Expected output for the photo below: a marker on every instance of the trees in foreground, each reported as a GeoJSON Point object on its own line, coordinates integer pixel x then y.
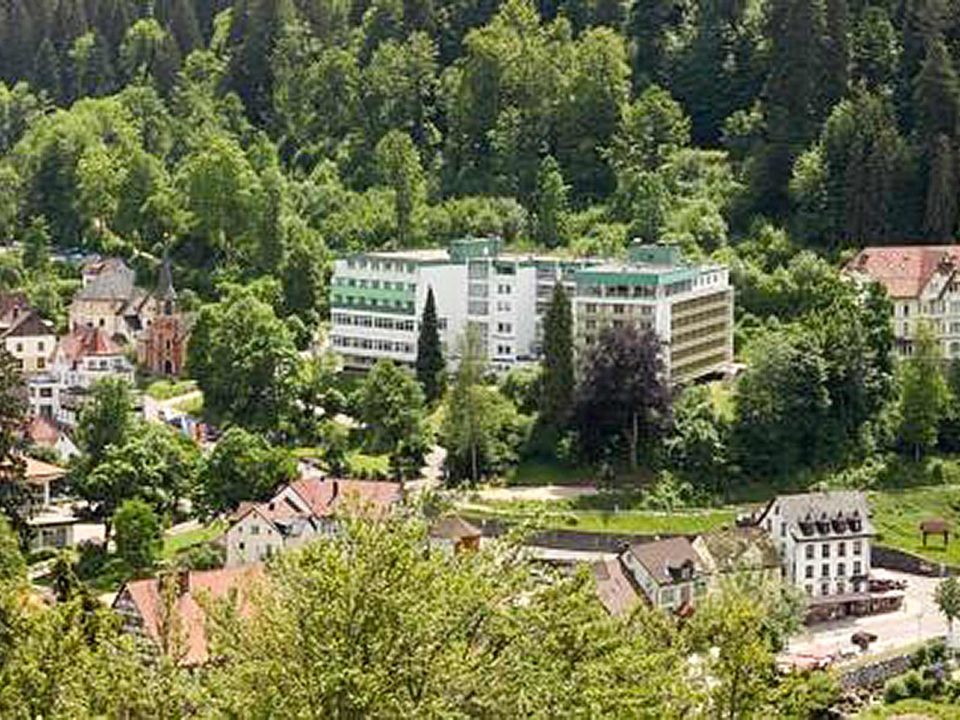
{"type": "Point", "coordinates": [373, 623]}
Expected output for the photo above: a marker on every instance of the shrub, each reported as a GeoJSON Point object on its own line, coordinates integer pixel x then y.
{"type": "Point", "coordinates": [894, 691]}
{"type": "Point", "coordinates": [913, 683]}
{"type": "Point", "coordinates": [206, 556]}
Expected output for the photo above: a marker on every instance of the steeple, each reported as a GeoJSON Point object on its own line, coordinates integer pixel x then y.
{"type": "Point", "coordinates": [165, 289]}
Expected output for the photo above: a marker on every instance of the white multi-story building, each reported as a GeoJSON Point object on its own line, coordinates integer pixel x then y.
{"type": "Point", "coordinates": [923, 284]}
{"type": "Point", "coordinates": [377, 301]}
{"type": "Point", "coordinates": [80, 359]}
{"type": "Point", "coordinates": [824, 541]}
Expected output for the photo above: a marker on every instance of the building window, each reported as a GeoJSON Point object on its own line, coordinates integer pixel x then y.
{"type": "Point", "coordinates": [41, 363]}
{"type": "Point", "coordinates": [254, 529]}
{"type": "Point", "coordinates": [809, 552]}
{"type": "Point", "coordinates": [825, 570]}
{"type": "Point", "coordinates": [841, 549]}
{"type": "Point", "coordinates": [809, 589]}
{"type": "Point", "coordinates": [809, 572]}
{"type": "Point", "coordinates": [841, 588]}
{"type": "Point", "coordinates": [858, 547]}
{"type": "Point", "coordinates": [824, 588]}
{"type": "Point", "coordinates": [619, 309]}
{"type": "Point", "coordinates": [857, 568]}
{"type": "Point", "coordinates": [825, 550]}
{"type": "Point", "coordinates": [841, 569]}
{"type": "Point", "coordinates": [19, 347]}
{"type": "Point", "coordinates": [783, 529]}
{"type": "Point", "coordinates": [40, 346]}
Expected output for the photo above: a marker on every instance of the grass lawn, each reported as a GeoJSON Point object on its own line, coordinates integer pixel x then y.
{"type": "Point", "coordinates": [166, 389]}
{"type": "Point", "coordinates": [897, 515]}
{"type": "Point", "coordinates": [913, 708]}
{"type": "Point", "coordinates": [191, 406]}
{"type": "Point", "coordinates": [567, 515]}
{"type": "Point", "coordinates": [360, 464]}
{"type": "Point", "coordinates": [173, 544]}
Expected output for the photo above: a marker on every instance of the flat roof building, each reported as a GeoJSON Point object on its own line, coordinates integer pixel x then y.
{"type": "Point", "coordinates": [377, 300]}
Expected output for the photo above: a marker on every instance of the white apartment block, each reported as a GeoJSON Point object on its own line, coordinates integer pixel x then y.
{"type": "Point", "coordinates": [824, 542]}
{"type": "Point", "coordinates": [377, 300]}
{"type": "Point", "coordinates": [923, 285]}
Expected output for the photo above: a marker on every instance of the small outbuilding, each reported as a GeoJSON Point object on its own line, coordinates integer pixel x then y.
{"type": "Point", "coordinates": [936, 526]}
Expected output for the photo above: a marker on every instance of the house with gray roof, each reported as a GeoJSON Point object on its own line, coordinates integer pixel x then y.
{"type": "Point", "coordinates": [110, 300]}
{"type": "Point", "coordinates": [823, 539]}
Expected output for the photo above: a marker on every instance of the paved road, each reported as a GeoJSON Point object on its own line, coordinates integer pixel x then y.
{"type": "Point", "coordinates": [538, 492]}
{"type": "Point", "coordinates": [918, 619]}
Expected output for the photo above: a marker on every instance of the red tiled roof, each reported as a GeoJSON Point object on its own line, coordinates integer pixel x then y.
{"type": "Point", "coordinates": [39, 472]}
{"type": "Point", "coordinates": [614, 588]}
{"type": "Point", "coordinates": [43, 431]}
{"type": "Point", "coordinates": [86, 341]}
{"type": "Point", "coordinates": [903, 270]}
{"type": "Point", "coordinates": [324, 495]}
{"type": "Point", "coordinates": [214, 584]}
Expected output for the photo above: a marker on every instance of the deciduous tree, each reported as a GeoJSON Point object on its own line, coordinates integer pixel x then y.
{"type": "Point", "coordinates": [623, 391]}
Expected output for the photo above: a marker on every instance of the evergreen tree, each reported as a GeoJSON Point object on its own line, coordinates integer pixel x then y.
{"type": "Point", "coordinates": [924, 394]}
{"type": "Point", "coordinates": [550, 214]}
{"type": "Point", "coordinates": [940, 218]}
{"type": "Point", "coordinates": [836, 52]}
{"type": "Point", "coordinates": [256, 28]}
{"type": "Point", "coordinates": [430, 364]}
{"type": "Point", "coordinates": [46, 71]}
{"type": "Point", "coordinates": [936, 93]}
{"type": "Point", "coordinates": [556, 396]}
{"type": "Point", "coordinates": [791, 92]}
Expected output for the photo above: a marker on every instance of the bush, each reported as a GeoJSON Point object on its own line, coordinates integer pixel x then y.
{"type": "Point", "coordinates": [36, 556]}
{"type": "Point", "coordinates": [894, 691]}
{"type": "Point", "coordinates": [137, 534]}
{"type": "Point", "coordinates": [91, 557]}
{"type": "Point", "coordinates": [913, 684]}
{"type": "Point", "coordinates": [205, 556]}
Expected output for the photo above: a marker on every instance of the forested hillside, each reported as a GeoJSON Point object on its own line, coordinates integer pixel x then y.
{"type": "Point", "coordinates": [251, 134]}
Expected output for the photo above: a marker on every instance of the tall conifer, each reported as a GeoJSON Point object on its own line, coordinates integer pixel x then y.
{"type": "Point", "coordinates": [556, 398]}
{"type": "Point", "coordinates": [430, 363]}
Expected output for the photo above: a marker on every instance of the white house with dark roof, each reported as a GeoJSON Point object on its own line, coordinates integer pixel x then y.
{"type": "Point", "coordinates": [824, 541]}
{"type": "Point", "coordinates": [31, 341]}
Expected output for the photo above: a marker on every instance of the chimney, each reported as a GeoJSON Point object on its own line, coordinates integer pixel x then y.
{"type": "Point", "coordinates": [183, 582]}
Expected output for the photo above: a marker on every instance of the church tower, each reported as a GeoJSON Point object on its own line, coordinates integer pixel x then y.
{"type": "Point", "coordinates": [163, 346]}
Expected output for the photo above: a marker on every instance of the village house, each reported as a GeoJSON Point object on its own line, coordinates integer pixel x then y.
{"type": "Point", "coordinates": [824, 539]}
{"type": "Point", "coordinates": [13, 305]}
{"type": "Point", "coordinates": [30, 340]}
{"type": "Point", "coordinates": [80, 359]}
{"type": "Point", "coordinates": [676, 573]}
{"type": "Point", "coordinates": [453, 534]}
{"type": "Point", "coordinates": [43, 432]}
{"type": "Point", "coordinates": [148, 616]}
{"type": "Point", "coordinates": [302, 511]}
{"type": "Point", "coordinates": [110, 301]}
{"type": "Point", "coordinates": [923, 285]}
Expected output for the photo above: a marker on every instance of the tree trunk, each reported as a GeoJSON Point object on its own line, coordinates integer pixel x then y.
{"type": "Point", "coordinates": [634, 438]}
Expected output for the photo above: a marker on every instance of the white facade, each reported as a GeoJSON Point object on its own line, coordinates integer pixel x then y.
{"type": "Point", "coordinates": [823, 540]}
{"type": "Point", "coordinates": [377, 301]}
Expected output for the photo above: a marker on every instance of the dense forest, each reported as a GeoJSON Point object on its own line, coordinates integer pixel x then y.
{"type": "Point", "coordinates": [251, 134]}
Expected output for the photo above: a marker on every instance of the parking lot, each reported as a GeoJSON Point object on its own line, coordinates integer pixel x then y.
{"type": "Point", "coordinates": [919, 619]}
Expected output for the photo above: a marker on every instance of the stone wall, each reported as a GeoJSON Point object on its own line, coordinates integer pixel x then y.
{"type": "Point", "coordinates": [566, 539]}
{"type": "Point", "coordinates": [894, 559]}
{"type": "Point", "coordinates": [874, 675]}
